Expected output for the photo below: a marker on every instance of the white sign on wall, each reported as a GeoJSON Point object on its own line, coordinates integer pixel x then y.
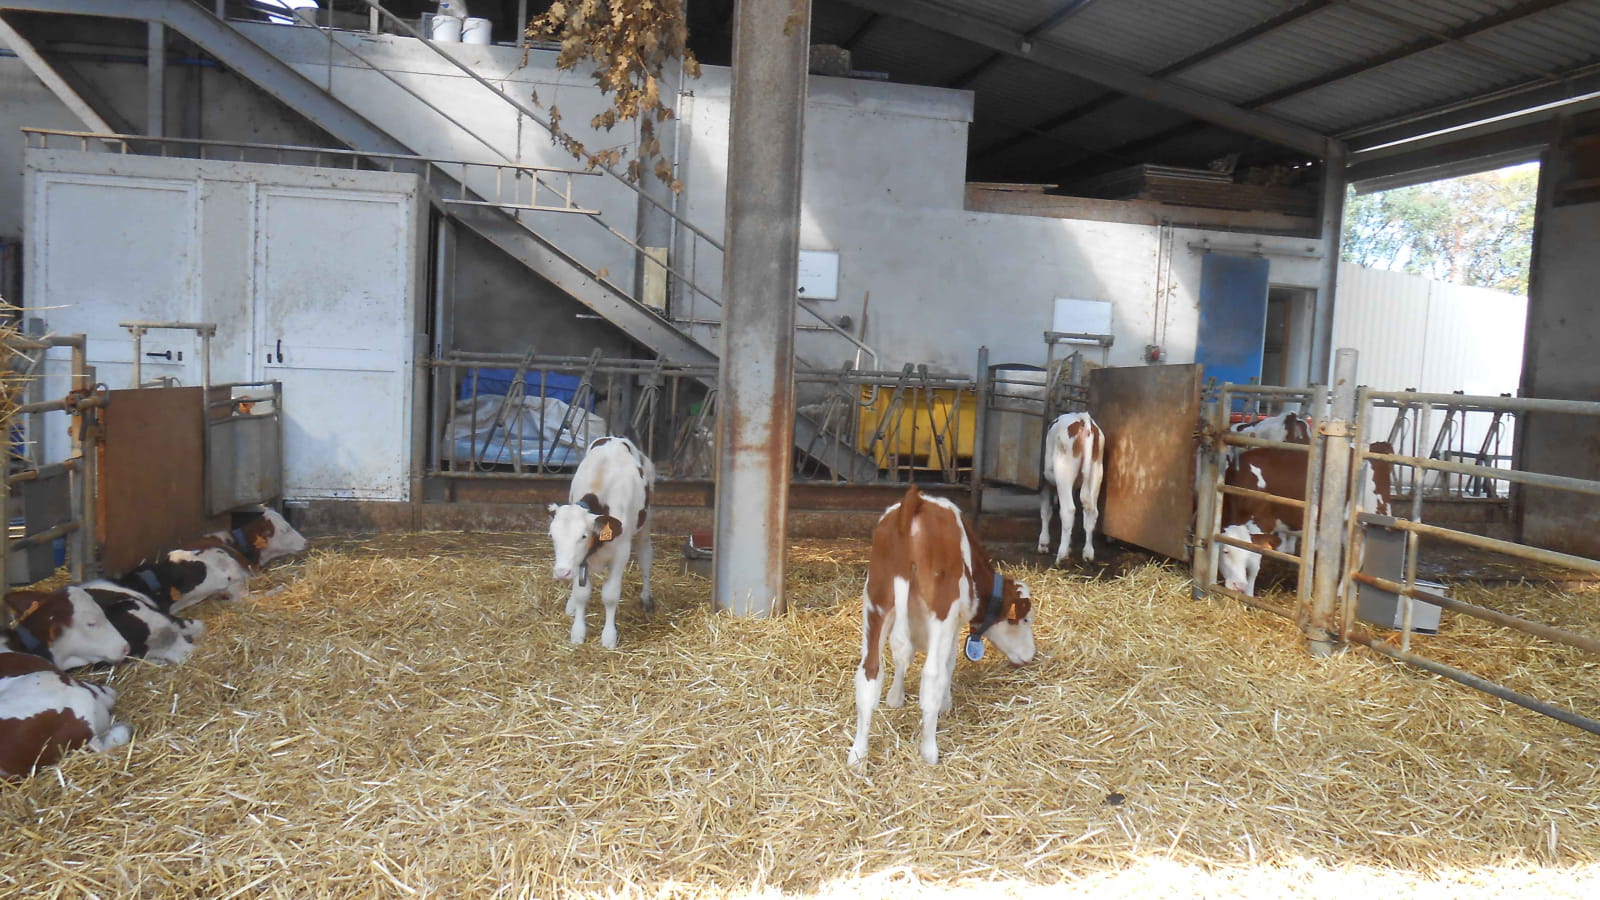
{"type": "Point", "coordinates": [818, 275]}
{"type": "Point", "coordinates": [1081, 316]}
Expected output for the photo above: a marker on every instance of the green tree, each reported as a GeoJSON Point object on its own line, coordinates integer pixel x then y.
{"type": "Point", "coordinates": [1476, 230]}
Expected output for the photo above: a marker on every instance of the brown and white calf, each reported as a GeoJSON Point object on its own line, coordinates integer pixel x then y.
{"type": "Point", "coordinates": [45, 713]}
{"type": "Point", "coordinates": [1074, 451]}
{"type": "Point", "coordinates": [151, 633]}
{"type": "Point", "coordinates": [214, 565]}
{"type": "Point", "coordinates": [606, 518]}
{"type": "Point", "coordinates": [1282, 473]}
{"type": "Point", "coordinates": [64, 627]}
{"type": "Point", "coordinates": [928, 578]}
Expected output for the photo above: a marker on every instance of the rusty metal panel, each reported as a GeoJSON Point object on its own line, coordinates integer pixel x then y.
{"type": "Point", "coordinates": [1148, 414]}
{"type": "Point", "coordinates": [151, 477]}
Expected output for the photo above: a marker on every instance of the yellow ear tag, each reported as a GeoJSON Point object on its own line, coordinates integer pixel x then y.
{"type": "Point", "coordinates": [605, 532]}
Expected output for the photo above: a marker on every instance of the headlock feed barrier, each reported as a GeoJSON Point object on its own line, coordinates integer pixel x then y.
{"type": "Point", "coordinates": [1339, 531]}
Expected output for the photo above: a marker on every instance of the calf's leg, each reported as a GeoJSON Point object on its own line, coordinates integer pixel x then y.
{"type": "Point", "coordinates": [1066, 474]}
{"type": "Point", "coordinates": [611, 596]}
{"type": "Point", "coordinates": [869, 676]}
{"type": "Point", "coordinates": [1089, 494]}
{"type": "Point", "coordinates": [645, 552]}
{"type": "Point", "coordinates": [578, 609]}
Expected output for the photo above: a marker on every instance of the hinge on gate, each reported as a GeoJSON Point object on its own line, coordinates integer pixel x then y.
{"type": "Point", "coordinates": [1335, 428]}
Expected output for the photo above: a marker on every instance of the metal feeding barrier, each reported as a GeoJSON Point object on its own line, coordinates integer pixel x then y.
{"type": "Point", "coordinates": [1341, 536]}
{"type": "Point", "coordinates": [498, 415]}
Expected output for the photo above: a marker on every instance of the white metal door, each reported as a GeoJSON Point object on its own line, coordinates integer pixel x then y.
{"type": "Point", "coordinates": [333, 314]}
{"type": "Point", "coordinates": [110, 249]}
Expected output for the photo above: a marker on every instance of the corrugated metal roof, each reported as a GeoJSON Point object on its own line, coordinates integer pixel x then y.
{"type": "Point", "coordinates": [1329, 66]}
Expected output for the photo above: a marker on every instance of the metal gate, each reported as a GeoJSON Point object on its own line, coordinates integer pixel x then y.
{"type": "Point", "coordinates": [1338, 575]}
{"type": "Point", "coordinates": [1148, 414]}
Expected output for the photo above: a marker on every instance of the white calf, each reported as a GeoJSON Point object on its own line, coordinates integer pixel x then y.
{"type": "Point", "coordinates": [1074, 450]}
{"type": "Point", "coordinates": [607, 517]}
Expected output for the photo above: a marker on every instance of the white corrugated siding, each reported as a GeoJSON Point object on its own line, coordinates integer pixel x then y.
{"type": "Point", "coordinates": [1430, 336]}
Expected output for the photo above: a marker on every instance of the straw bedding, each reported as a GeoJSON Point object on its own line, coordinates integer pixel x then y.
{"type": "Point", "coordinates": [405, 718]}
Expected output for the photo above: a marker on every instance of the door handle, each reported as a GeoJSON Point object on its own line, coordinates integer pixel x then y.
{"type": "Point", "coordinates": [280, 351]}
{"type": "Point", "coordinates": [155, 355]}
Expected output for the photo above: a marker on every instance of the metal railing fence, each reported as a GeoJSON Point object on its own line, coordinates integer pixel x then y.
{"type": "Point", "coordinates": [1333, 553]}
{"type": "Point", "coordinates": [80, 468]}
{"type": "Point", "coordinates": [499, 415]}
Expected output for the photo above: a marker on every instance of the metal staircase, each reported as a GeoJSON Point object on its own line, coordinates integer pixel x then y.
{"type": "Point", "coordinates": [477, 204]}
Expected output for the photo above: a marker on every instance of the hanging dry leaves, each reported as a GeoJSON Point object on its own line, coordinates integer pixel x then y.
{"type": "Point", "coordinates": [629, 42]}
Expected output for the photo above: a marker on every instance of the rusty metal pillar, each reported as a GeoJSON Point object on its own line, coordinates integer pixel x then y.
{"type": "Point", "coordinates": [1319, 621]}
{"type": "Point", "coordinates": [755, 422]}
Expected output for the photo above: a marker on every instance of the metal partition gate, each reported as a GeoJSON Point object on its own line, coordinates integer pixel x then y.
{"type": "Point", "coordinates": [1338, 530]}
{"type": "Point", "coordinates": [1148, 414]}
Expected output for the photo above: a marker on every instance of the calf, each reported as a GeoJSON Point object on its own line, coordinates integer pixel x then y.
{"type": "Point", "coordinates": [1287, 427]}
{"type": "Point", "coordinates": [151, 633]}
{"type": "Point", "coordinates": [1073, 456]}
{"type": "Point", "coordinates": [65, 627]}
{"type": "Point", "coordinates": [45, 713]}
{"type": "Point", "coordinates": [214, 565]}
{"type": "Point", "coordinates": [606, 518]}
{"type": "Point", "coordinates": [1238, 567]}
{"type": "Point", "coordinates": [1282, 473]}
{"type": "Point", "coordinates": [928, 577]}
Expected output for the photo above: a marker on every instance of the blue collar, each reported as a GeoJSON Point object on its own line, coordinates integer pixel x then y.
{"type": "Point", "coordinates": [30, 641]}
{"type": "Point", "coordinates": [151, 582]}
{"type": "Point", "coordinates": [994, 606]}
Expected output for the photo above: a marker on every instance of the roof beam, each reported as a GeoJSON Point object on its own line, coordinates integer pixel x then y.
{"type": "Point", "coordinates": [1523, 97]}
{"type": "Point", "coordinates": [1062, 13]}
{"type": "Point", "coordinates": [1267, 26]}
{"type": "Point", "coordinates": [1412, 48]}
{"type": "Point", "coordinates": [1428, 42]}
{"type": "Point", "coordinates": [1118, 78]}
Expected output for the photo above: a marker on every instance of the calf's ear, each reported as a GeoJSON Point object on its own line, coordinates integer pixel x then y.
{"type": "Point", "coordinates": [607, 528]}
{"type": "Point", "coordinates": [553, 507]}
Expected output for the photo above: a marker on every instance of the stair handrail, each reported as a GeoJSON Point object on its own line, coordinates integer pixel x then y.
{"type": "Point", "coordinates": [541, 121]}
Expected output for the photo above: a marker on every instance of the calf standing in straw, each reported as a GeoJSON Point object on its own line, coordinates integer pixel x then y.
{"type": "Point", "coordinates": [608, 514]}
{"type": "Point", "coordinates": [928, 577]}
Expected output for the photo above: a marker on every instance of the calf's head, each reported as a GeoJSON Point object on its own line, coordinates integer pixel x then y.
{"type": "Point", "coordinates": [270, 536]}
{"type": "Point", "coordinates": [1012, 633]}
{"type": "Point", "coordinates": [576, 532]}
{"type": "Point", "coordinates": [70, 623]}
{"type": "Point", "coordinates": [1237, 567]}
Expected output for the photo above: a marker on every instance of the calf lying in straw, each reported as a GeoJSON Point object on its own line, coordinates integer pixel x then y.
{"type": "Point", "coordinates": [928, 576]}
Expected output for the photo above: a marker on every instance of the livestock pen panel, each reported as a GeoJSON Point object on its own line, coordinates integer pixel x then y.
{"type": "Point", "coordinates": [152, 488]}
{"type": "Point", "coordinates": [1148, 415]}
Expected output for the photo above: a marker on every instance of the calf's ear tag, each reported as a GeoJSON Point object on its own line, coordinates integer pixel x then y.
{"type": "Point", "coordinates": [974, 647]}
{"type": "Point", "coordinates": [606, 533]}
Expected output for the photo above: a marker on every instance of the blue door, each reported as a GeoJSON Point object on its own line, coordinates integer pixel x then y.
{"type": "Point", "coordinates": [1233, 317]}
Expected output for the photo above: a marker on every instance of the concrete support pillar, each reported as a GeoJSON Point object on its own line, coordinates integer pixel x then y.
{"type": "Point", "coordinates": [1332, 228]}
{"type": "Point", "coordinates": [755, 424]}
{"type": "Point", "coordinates": [156, 80]}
